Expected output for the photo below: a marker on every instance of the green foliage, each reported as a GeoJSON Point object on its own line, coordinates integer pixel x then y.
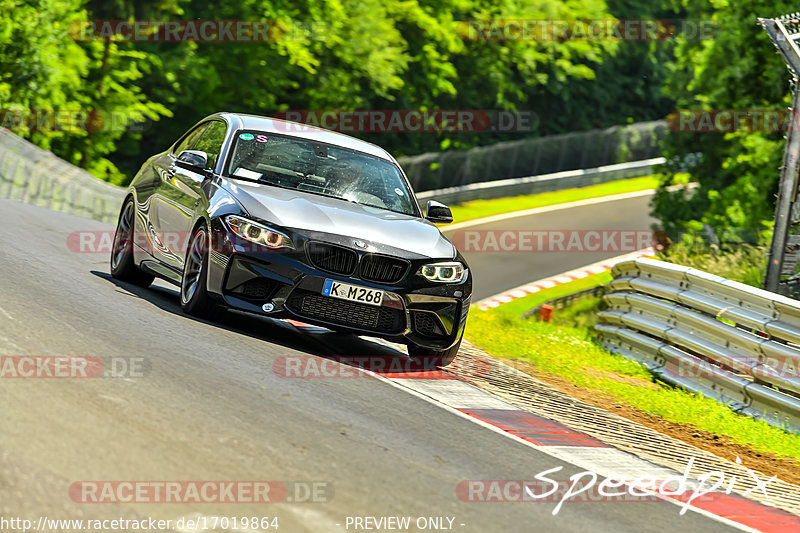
{"type": "Point", "coordinates": [566, 352]}
{"type": "Point", "coordinates": [371, 54]}
{"type": "Point", "coordinates": [42, 68]}
{"type": "Point", "coordinates": [485, 208]}
{"type": "Point", "coordinates": [742, 262]}
{"type": "Point", "coordinates": [327, 54]}
{"type": "Point", "coordinates": [738, 69]}
{"type": "Point", "coordinates": [86, 92]}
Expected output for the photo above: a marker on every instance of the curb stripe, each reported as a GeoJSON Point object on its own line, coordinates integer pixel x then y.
{"type": "Point", "coordinates": [534, 428]}
{"type": "Point", "coordinates": [571, 446]}
{"type": "Point", "coordinates": [535, 286]}
{"type": "Point", "coordinates": [423, 374]}
{"type": "Point", "coordinates": [747, 512]}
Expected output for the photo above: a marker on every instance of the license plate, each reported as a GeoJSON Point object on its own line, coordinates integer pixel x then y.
{"type": "Point", "coordinates": [354, 293]}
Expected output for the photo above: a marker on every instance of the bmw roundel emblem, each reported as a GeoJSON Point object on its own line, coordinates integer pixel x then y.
{"type": "Point", "coordinates": [360, 244]}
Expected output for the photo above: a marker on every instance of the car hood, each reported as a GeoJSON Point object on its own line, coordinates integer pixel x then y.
{"type": "Point", "coordinates": [300, 210]}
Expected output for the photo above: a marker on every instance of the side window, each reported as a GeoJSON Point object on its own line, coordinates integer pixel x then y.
{"type": "Point", "coordinates": [188, 141]}
{"type": "Point", "coordinates": [211, 141]}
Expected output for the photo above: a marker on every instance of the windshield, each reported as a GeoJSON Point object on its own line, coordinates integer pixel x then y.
{"type": "Point", "coordinates": [320, 169]}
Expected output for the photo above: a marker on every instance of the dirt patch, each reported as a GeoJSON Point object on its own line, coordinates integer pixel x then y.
{"type": "Point", "coordinates": [628, 380]}
{"type": "Point", "coordinates": [767, 463]}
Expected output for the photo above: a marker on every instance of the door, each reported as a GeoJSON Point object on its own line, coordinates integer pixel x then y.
{"type": "Point", "coordinates": [172, 206]}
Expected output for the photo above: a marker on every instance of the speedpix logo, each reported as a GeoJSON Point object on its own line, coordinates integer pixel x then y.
{"type": "Point", "coordinates": [588, 486]}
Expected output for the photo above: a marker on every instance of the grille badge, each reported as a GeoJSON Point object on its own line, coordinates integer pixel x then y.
{"type": "Point", "coordinates": [360, 244]}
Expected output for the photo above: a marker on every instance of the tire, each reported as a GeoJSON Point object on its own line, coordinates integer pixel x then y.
{"type": "Point", "coordinates": [195, 299]}
{"type": "Point", "coordinates": [427, 357]}
{"type": "Point", "coordinates": [122, 266]}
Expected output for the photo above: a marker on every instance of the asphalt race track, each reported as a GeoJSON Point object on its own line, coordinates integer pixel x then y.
{"type": "Point", "coordinates": [497, 271]}
{"type": "Point", "coordinates": [208, 405]}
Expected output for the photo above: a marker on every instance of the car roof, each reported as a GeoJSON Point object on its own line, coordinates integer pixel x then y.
{"type": "Point", "coordinates": [301, 131]}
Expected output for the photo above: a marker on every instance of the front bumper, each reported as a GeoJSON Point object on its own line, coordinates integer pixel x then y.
{"type": "Point", "coordinates": [285, 284]}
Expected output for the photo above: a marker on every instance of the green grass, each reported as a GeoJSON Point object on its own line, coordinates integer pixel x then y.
{"type": "Point", "coordinates": [519, 306]}
{"type": "Point", "coordinates": [563, 347]}
{"type": "Point", "coordinates": [742, 262]}
{"type": "Point", "coordinates": [485, 208]}
{"type": "Point", "coordinates": [567, 352]}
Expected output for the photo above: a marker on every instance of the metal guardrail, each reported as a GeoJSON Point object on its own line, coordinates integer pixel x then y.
{"type": "Point", "coordinates": [544, 183]}
{"type": "Point", "coordinates": [38, 177]}
{"type": "Point", "coordinates": [535, 156]}
{"type": "Point", "coordinates": [566, 300]}
{"type": "Point", "coordinates": [725, 340]}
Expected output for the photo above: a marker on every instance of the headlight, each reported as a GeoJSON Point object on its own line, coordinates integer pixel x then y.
{"type": "Point", "coordinates": [443, 272]}
{"type": "Point", "coordinates": [258, 233]}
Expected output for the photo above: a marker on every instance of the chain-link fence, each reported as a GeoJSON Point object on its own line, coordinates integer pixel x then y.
{"type": "Point", "coordinates": [38, 177]}
{"type": "Point", "coordinates": [532, 157]}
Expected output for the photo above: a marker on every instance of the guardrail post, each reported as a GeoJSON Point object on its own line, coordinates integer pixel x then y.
{"type": "Point", "coordinates": [787, 193]}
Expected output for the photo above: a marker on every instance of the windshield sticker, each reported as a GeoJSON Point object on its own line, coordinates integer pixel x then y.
{"type": "Point", "coordinates": [245, 173]}
{"type": "Point", "coordinates": [261, 138]}
{"type": "Point", "coordinates": [246, 136]}
{"type": "Point", "coordinates": [398, 191]}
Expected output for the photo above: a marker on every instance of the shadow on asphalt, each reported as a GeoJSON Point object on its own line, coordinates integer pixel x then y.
{"type": "Point", "coordinates": [343, 348]}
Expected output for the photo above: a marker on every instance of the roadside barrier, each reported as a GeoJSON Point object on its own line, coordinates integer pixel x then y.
{"type": "Point", "coordinates": [725, 340]}
{"type": "Point", "coordinates": [545, 183]}
{"type": "Point", "coordinates": [38, 177]}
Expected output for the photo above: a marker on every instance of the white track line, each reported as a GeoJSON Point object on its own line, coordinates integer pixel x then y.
{"type": "Point", "coordinates": [546, 209]}
{"type": "Point", "coordinates": [597, 460]}
{"type": "Point", "coordinates": [546, 283]}
{"type": "Point", "coordinates": [6, 314]}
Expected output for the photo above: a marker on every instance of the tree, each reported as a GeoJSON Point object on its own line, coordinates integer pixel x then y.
{"type": "Point", "coordinates": [736, 172]}
{"type": "Point", "coordinates": [74, 98]}
{"type": "Point", "coordinates": [372, 54]}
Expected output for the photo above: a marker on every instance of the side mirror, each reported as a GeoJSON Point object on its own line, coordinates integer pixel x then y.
{"type": "Point", "coordinates": [438, 213]}
{"type": "Point", "coordinates": [192, 160]}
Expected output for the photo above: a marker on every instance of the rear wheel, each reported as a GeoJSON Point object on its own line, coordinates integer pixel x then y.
{"type": "Point", "coordinates": [195, 299]}
{"type": "Point", "coordinates": [122, 266]}
{"type": "Point", "coordinates": [428, 358]}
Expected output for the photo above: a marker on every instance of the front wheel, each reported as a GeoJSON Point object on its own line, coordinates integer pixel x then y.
{"type": "Point", "coordinates": [122, 266]}
{"type": "Point", "coordinates": [427, 357]}
{"type": "Point", "coordinates": [195, 299]}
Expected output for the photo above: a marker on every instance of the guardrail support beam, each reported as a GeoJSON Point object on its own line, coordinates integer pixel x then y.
{"type": "Point", "coordinates": [787, 192]}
